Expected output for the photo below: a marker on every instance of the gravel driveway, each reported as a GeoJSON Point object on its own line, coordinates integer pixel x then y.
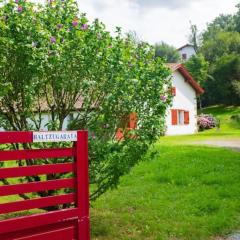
{"type": "Point", "coordinates": [228, 143]}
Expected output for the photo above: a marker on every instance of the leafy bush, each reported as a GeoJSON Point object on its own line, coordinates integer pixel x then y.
{"type": "Point", "coordinates": [206, 121]}
{"type": "Point", "coordinates": [236, 118]}
{"type": "Point", "coordinates": [52, 59]}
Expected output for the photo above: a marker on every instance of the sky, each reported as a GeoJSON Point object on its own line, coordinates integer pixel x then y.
{"type": "Point", "coordinates": [157, 20]}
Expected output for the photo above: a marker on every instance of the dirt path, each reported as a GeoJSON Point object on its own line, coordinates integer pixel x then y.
{"type": "Point", "coordinates": [228, 143]}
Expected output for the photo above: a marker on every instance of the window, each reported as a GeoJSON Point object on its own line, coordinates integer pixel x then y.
{"type": "Point", "coordinates": [180, 117]}
{"type": "Point", "coordinates": [184, 56]}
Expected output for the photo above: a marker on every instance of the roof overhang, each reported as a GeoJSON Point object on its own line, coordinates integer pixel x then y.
{"type": "Point", "coordinates": [186, 45]}
{"type": "Point", "coordinates": [179, 67]}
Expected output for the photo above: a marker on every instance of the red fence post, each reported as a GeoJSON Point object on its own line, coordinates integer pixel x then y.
{"type": "Point", "coordinates": [82, 185]}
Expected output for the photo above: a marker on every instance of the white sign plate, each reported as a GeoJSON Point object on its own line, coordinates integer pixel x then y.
{"type": "Point", "coordinates": [55, 136]}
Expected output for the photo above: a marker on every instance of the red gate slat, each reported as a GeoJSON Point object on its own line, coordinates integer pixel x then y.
{"type": "Point", "coordinates": [36, 186]}
{"type": "Point", "coordinates": [36, 170]}
{"type": "Point", "coordinates": [36, 203]}
{"type": "Point", "coordinates": [36, 153]}
{"type": "Point", "coordinates": [16, 137]}
{"type": "Point", "coordinates": [59, 231]}
{"type": "Point", "coordinates": [36, 220]}
{"type": "Point", "coordinates": [46, 233]}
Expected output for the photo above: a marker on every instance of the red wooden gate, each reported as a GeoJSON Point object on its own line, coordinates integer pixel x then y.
{"type": "Point", "coordinates": [70, 223]}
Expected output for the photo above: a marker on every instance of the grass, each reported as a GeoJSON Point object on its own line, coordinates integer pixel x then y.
{"type": "Point", "coordinates": [181, 191]}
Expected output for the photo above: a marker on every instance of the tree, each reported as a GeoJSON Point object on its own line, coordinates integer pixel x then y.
{"type": "Point", "coordinates": [219, 88]}
{"type": "Point", "coordinates": [198, 67]}
{"type": "Point", "coordinates": [236, 18]}
{"type": "Point", "coordinates": [220, 46]}
{"type": "Point", "coordinates": [229, 42]}
{"type": "Point", "coordinates": [222, 23]}
{"type": "Point", "coordinates": [226, 79]}
{"type": "Point", "coordinates": [60, 60]}
{"type": "Point", "coordinates": [194, 38]}
{"type": "Point", "coordinates": [167, 52]}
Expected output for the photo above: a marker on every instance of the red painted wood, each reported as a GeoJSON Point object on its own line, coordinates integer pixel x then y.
{"type": "Point", "coordinates": [133, 120]}
{"type": "Point", "coordinates": [60, 234]}
{"type": "Point", "coordinates": [186, 117]}
{"type": "Point", "coordinates": [62, 224]}
{"type": "Point", "coordinates": [173, 90]}
{"type": "Point", "coordinates": [174, 116]}
{"type": "Point", "coordinates": [37, 220]}
{"type": "Point", "coordinates": [36, 186]}
{"type": "Point", "coordinates": [47, 230]}
{"type": "Point", "coordinates": [36, 203]}
{"type": "Point", "coordinates": [36, 154]}
{"type": "Point", "coordinates": [82, 189]}
{"type": "Point", "coordinates": [16, 137]}
{"type": "Point", "coordinates": [36, 170]}
{"type": "Point", "coordinates": [64, 233]}
{"type": "Point", "coordinates": [119, 134]}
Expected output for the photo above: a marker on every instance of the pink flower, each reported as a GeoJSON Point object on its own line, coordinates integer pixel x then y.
{"type": "Point", "coordinates": [53, 39]}
{"type": "Point", "coordinates": [16, 1]}
{"type": "Point", "coordinates": [59, 26]}
{"type": "Point", "coordinates": [20, 9]}
{"type": "Point", "coordinates": [75, 23]}
{"type": "Point", "coordinates": [84, 26]}
{"type": "Point", "coordinates": [163, 98]}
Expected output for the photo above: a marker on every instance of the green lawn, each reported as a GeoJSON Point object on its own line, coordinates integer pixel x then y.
{"type": "Point", "coordinates": [180, 192]}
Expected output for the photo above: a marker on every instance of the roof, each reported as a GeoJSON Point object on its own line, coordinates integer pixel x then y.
{"type": "Point", "coordinates": [186, 45]}
{"type": "Point", "coordinates": [179, 67]}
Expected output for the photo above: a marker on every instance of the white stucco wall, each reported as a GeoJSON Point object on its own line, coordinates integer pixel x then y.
{"type": "Point", "coordinates": [189, 50]}
{"type": "Point", "coordinates": [45, 121]}
{"type": "Point", "coordinates": [46, 117]}
{"type": "Point", "coordinates": [185, 99]}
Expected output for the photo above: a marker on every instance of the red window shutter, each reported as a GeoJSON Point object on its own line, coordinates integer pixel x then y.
{"type": "Point", "coordinates": [119, 134]}
{"type": "Point", "coordinates": [186, 117]}
{"type": "Point", "coordinates": [174, 117]}
{"type": "Point", "coordinates": [173, 91]}
{"type": "Point", "coordinates": [132, 120]}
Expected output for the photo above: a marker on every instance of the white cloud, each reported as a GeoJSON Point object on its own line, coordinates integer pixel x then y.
{"type": "Point", "coordinates": [170, 4]}
{"type": "Point", "coordinates": [156, 20]}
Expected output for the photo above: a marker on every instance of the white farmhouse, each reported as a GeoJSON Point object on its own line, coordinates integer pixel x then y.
{"type": "Point", "coordinates": [182, 116]}
{"type": "Point", "coordinates": [186, 51]}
